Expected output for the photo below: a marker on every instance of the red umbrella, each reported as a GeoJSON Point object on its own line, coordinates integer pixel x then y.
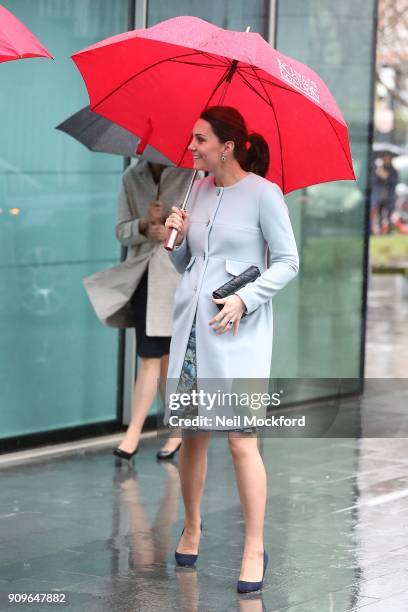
{"type": "Point", "coordinates": [165, 75]}
{"type": "Point", "coordinates": [16, 41]}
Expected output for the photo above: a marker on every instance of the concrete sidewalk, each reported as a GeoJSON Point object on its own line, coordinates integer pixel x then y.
{"type": "Point", "coordinates": [74, 521]}
{"type": "Point", "coordinates": [387, 327]}
{"type": "Point", "coordinates": [105, 534]}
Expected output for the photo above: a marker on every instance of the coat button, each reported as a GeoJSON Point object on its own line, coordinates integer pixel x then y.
{"type": "Point", "coordinates": [195, 287]}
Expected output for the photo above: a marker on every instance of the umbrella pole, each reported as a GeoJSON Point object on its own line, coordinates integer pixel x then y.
{"type": "Point", "coordinates": [171, 238]}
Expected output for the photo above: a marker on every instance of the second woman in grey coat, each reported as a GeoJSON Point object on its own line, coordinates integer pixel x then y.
{"type": "Point", "coordinates": [233, 217]}
{"type": "Point", "coordinates": [144, 202]}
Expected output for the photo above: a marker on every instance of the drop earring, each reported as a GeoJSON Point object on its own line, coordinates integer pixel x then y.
{"type": "Point", "coordinates": [223, 158]}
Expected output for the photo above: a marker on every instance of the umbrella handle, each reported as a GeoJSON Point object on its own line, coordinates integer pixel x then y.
{"type": "Point", "coordinates": [172, 236]}
{"type": "Point", "coordinates": [171, 240]}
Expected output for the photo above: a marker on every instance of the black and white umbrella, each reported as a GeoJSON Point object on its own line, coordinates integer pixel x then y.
{"type": "Point", "coordinates": [380, 148]}
{"type": "Point", "coordinates": [103, 136]}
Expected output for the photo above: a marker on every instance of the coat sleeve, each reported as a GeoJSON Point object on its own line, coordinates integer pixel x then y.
{"type": "Point", "coordinates": [180, 256]}
{"type": "Point", "coordinates": [278, 233]}
{"type": "Point", "coordinates": [127, 227]}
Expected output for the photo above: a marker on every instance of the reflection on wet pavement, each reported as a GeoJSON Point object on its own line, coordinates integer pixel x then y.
{"type": "Point", "coordinates": [105, 533]}
{"type": "Point", "coordinates": [336, 528]}
{"type": "Point", "coordinates": [387, 327]}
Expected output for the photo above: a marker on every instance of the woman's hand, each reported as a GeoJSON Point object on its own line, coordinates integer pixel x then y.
{"type": "Point", "coordinates": [156, 211]}
{"type": "Point", "coordinates": [156, 232]}
{"type": "Point", "coordinates": [233, 310]}
{"type": "Point", "coordinates": [178, 219]}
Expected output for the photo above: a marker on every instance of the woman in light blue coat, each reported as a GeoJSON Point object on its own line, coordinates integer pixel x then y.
{"type": "Point", "coordinates": [233, 217]}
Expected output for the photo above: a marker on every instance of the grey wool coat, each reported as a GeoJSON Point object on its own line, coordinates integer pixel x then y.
{"type": "Point", "coordinates": [231, 228]}
{"type": "Point", "coordinates": [110, 290]}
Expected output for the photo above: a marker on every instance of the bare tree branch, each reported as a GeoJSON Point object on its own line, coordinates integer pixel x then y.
{"type": "Point", "coordinates": [393, 92]}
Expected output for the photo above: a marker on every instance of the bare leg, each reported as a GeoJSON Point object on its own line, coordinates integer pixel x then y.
{"type": "Point", "coordinates": [143, 396]}
{"type": "Point", "coordinates": [173, 441]}
{"type": "Point", "coordinates": [193, 470]}
{"type": "Point", "coordinates": [251, 482]}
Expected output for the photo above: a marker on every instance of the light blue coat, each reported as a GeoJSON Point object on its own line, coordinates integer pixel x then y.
{"type": "Point", "coordinates": [231, 228]}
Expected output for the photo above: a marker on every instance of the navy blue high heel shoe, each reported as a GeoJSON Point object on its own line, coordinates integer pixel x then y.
{"type": "Point", "coordinates": [243, 586]}
{"type": "Point", "coordinates": [186, 559]}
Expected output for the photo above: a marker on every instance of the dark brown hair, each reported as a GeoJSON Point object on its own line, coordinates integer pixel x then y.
{"type": "Point", "coordinates": [228, 124]}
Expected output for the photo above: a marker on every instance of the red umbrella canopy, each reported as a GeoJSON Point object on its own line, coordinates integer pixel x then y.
{"type": "Point", "coordinates": [16, 41]}
{"type": "Point", "coordinates": [164, 76]}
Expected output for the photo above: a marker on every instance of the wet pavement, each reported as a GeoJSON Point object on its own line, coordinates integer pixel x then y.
{"type": "Point", "coordinates": [387, 327]}
{"type": "Point", "coordinates": [336, 525]}
{"type": "Point", "coordinates": [336, 530]}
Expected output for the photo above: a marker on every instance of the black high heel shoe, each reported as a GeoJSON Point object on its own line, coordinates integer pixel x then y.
{"type": "Point", "coordinates": [161, 455]}
{"type": "Point", "coordinates": [118, 452]}
{"type": "Point", "coordinates": [245, 586]}
{"type": "Point", "coordinates": [186, 559]}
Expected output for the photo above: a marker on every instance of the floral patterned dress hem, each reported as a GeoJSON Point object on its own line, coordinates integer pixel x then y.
{"type": "Point", "coordinates": [188, 383]}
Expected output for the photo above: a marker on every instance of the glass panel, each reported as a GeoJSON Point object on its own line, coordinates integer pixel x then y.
{"type": "Point", "coordinates": [336, 41]}
{"type": "Point", "coordinates": [58, 361]}
{"type": "Point", "coordinates": [231, 14]}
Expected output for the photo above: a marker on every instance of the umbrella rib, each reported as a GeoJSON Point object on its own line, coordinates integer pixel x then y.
{"type": "Point", "coordinates": [167, 59]}
{"type": "Point", "coordinates": [277, 124]}
{"type": "Point", "coordinates": [223, 61]}
{"type": "Point", "coordinates": [293, 91]}
{"type": "Point", "coordinates": [274, 84]}
{"type": "Point", "coordinates": [218, 85]}
{"type": "Point", "coordinates": [337, 136]}
{"type": "Point", "coordinates": [249, 68]}
{"type": "Point", "coordinates": [268, 101]}
{"type": "Point", "coordinates": [174, 61]}
{"type": "Point", "coordinates": [299, 93]}
{"type": "Point", "coordinates": [269, 83]}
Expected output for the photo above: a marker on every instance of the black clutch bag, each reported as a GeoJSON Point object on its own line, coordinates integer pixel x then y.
{"type": "Point", "coordinates": [236, 283]}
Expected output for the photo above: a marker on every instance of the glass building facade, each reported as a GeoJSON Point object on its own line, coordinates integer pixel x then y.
{"type": "Point", "coordinates": [58, 212]}
{"type": "Point", "coordinates": [338, 42]}
{"type": "Point", "coordinates": [59, 364]}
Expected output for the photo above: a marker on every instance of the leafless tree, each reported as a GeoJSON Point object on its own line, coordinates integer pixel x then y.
{"type": "Point", "coordinates": [392, 42]}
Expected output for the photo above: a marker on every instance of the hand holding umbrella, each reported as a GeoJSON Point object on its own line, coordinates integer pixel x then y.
{"type": "Point", "coordinates": [177, 223]}
{"type": "Point", "coordinates": [182, 216]}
